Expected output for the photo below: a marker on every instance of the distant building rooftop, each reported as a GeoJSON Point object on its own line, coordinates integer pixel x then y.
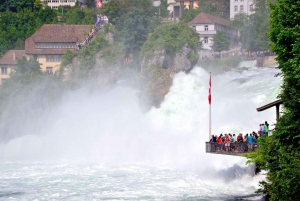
{"type": "Point", "coordinates": [50, 33]}
{"type": "Point", "coordinates": [205, 18]}
{"type": "Point", "coordinates": [12, 57]}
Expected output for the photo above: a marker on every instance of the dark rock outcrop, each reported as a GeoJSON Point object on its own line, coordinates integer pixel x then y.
{"type": "Point", "coordinates": [158, 71]}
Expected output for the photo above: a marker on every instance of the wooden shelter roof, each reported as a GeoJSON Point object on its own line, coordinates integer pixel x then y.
{"type": "Point", "coordinates": [269, 105]}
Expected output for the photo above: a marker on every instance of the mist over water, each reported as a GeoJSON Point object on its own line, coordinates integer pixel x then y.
{"type": "Point", "coordinates": [108, 137]}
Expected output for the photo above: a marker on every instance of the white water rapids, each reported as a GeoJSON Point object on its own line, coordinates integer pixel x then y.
{"type": "Point", "coordinates": [100, 146]}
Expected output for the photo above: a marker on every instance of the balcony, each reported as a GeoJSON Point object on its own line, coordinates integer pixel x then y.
{"type": "Point", "coordinates": [235, 148]}
{"type": "Point", "coordinates": [209, 32]}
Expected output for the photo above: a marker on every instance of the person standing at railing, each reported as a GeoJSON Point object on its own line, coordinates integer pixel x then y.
{"type": "Point", "coordinates": [213, 142]}
{"type": "Point", "coordinates": [91, 34]}
{"type": "Point", "coordinates": [232, 142]}
{"type": "Point", "coordinates": [227, 142]}
{"type": "Point", "coordinates": [98, 23]}
{"type": "Point", "coordinates": [239, 140]}
{"type": "Point", "coordinates": [220, 143]}
{"type": "Point", "coordinates": [266, 127]}
{"type": "Point", "coordinates": [213, 138]}
{"type": "Point", "coordinates": [105, 19]}
{"type": "Point", "coordinates": [245, 142]}
{"type": "Point", "coordinates": [250, 142]}
{"type": "Point", "coordinates": [79, 45]}
{"type": "Point", "coordinates": [261, 129]}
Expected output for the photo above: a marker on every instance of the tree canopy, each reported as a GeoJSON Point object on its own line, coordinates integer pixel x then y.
{"type": "Point", "coordinates": [254, 27]}
{"type": "Point", "coordinates": [220, 42]}
{"type": "Point", "coordinates": [280, 153]}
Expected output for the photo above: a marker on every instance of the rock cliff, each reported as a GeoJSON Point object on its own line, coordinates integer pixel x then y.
{"type": "Point", "coordinates": [100, 61]}
{"type": "Point", "coordinates": [159, 63]}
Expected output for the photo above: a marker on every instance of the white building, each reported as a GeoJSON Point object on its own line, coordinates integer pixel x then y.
{"type": "Point", "coordinates": [207, 26]}
{"type": "Point", "coordinates": [54, 4]}
{"type": "Point", "coordinates": [237, 6]}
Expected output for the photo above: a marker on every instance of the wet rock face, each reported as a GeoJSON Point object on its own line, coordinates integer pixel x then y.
{"type": "Point", "coordinates": [106, 75]}
{"type": "Point", "coordinates": [102, 72]}
{"type": "Point", "coordinates": [179, 62]}
{"type": "Point", "coordinates": [158, 72]}
{"type": "Point", "coordinates": [182, 62]}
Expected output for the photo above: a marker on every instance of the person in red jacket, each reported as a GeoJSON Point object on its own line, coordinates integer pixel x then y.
{"type": "Point", "coordinates": [220, 143]}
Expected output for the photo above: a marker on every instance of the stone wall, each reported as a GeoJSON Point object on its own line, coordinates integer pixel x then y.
{"type": "Point", "coordinates": [267, 61]}
{"type": "Point", "coordinates": [270, 61]}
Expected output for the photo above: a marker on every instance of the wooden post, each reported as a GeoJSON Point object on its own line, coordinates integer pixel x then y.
{"type": "Point", "coordinates": [277, 112]}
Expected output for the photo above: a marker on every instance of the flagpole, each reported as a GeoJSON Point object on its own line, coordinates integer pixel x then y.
{"type": "Point", "coordinates": [209, 106]}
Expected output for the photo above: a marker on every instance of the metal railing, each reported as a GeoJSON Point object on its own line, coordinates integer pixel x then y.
{"type": "Point", "coordinates": [88, 39]}
{"type": "Point", "coordinates": [236, 148]}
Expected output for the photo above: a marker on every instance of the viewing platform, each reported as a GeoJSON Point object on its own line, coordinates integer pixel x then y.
{"type": "Point", "coordinates": [235, 149]}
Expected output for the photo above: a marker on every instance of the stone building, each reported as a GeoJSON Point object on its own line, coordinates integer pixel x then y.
{"type": "Point", "coordinates": [8, 62]}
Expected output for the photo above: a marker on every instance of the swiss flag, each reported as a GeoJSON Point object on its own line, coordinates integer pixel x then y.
{"type": "Point", "coordinates": [209, 91]}
{"type": "Point", "coordinates": [99, 3]}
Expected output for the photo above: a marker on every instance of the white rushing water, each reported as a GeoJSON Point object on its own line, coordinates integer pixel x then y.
{"type": "Point", "coordinates": [100, 146]}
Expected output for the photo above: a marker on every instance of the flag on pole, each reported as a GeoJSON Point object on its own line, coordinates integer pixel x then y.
{"type": "Point", "coordinates": [209, 90]}
{"type": "Point", "coordinates": [99, 3]}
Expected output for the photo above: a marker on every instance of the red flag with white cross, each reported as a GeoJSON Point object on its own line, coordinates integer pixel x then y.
{"type": "Point", "coordinates": [99, 3]}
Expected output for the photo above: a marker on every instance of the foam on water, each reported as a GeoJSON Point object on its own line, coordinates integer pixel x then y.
{"type": "Point", "coordinates": [101, 146]}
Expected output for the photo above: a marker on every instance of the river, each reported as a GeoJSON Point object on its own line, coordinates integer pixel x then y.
{"type": "Point", "coordinates": [101, 146]}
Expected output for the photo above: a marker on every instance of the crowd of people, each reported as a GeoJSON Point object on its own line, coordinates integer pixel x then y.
{"type": "Point", "coordinates": [239, 143]}
{"type": "Point", "coordinates": [245, 54]}
{"type": "Point", "coordinates": [100, 21]}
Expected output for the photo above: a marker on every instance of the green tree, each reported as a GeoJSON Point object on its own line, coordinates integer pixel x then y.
{"type": "Point", "coordinates": [134, 29]}
{"type": "Point", "coordinates": [113, 10]}
{"type": "Point", "coordinates": [163, 9]}
{"type": "Point", "coordinates": [254, 28]}
{"type": "Point", "coordinates": [28, 66]}
{"type": "Point", "coordinates": [207, 7]}
{"type": "Point", "coordinates": [91, 3]}
{"type": "Point", "coordinates": [16, 27]}
{"type": "Point", "coordinates": [239, 21]}
{"type": "Point", "coordinates": [220, 42]}
{"type": "Point", "coordinates": [24, 97]}
{"type": "Point", "coordinates": [215, 7]}
{"type": "Point", "coordinates": [135, 24]}
{"type": "Point", "coordinates": [280, 153]}
{"type": "Point", "coordinates": [18, 5]}
{"type": "Point", "coordinates": [189, 14]}
{"type": "Point", "coordinates": [171, 37]}
{"type": "Point", "coordinates": [261, 24]}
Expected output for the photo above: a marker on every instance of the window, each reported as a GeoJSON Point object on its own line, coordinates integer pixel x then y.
{"type": "Point", "coordinates": [235, 0]}
{"type": "Point", "coordinates": [3, 70]}
{"type": "Point", "coordinates": [251, 7]}
{"type": "Point", "coordinates": [205, 39]}
{"type": "Point", "coordinates": [49, 70]}
{"type": "Point", "coordinates": [241, 8]}
{"type": "Point", "coordinates": [235, 8]}
{"type": "Point", "coordinates": [54, 57]}
{"type": "Point", "coordinates": [205, 27]}
{"type": "Point", "coordinates": [242, 0]}
{"type": "Point", "coordinates": [55, 45]}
